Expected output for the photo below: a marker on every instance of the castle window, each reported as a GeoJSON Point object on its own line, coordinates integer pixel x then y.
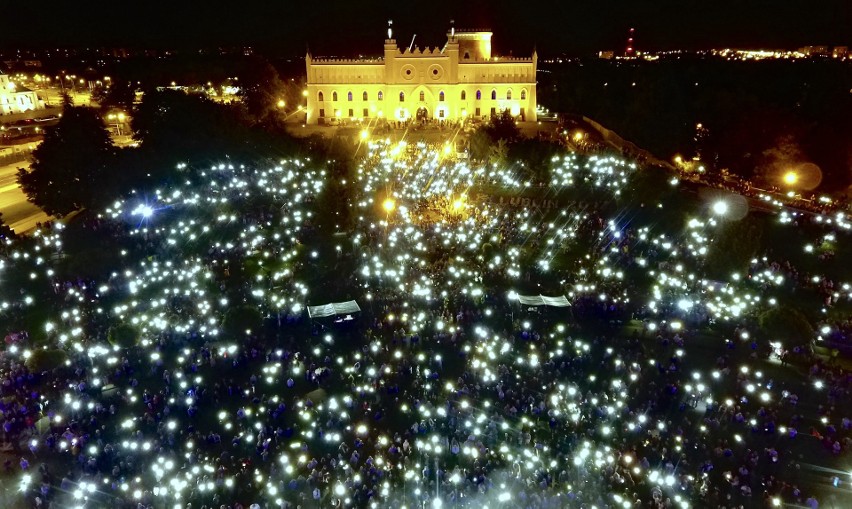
{"type": "Point", "coordinates": [509, 94]}
{"type": "Point", "coordinates": [422, 96]}
{"type": "Point", "coordinates": [441, 95]}
{"type": "Point", "coordinates": [463, 95]}
{"type": "Point", "coordinates": [523, 94]}
{"type": "Point", "coordinates": [322, 113]}
{"type": "Point", "coordinates": [351, 113]}
{"type": "Point", "coordinates": [366, 112]}
{"type": "Point", "coordinates": [319, 97]}
{"type": "Point", "coordinates": [381, 95]}
{"type": "Point", "coordinates": [478, 95]}
{"type": "Point", "coordinates": [334, 96]}
{"type": "Point", "coordinates": [364, 95]}
{"type": "Point", "coordinates": [349, 96]}
{"type": "Point", "coordinates": [402, 97]}
{"type": "Point", "coordinates": [467, 55]}
{"type": "Point", "coordinates": [493, 95]}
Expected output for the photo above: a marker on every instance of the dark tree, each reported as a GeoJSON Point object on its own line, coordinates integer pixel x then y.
{"type": "Point", "coordinates": [503, 127]}
{"type": "Point", "coordinates": [173, 127]}
{"type": "Point", "coordinates": [735, 245]}
{"type": "Point", "coordinates": [123, 335]}
{"type": "Point", "coordinates": [239, 319]}
{"type": "Point", "coordinates": [70, 165]}
{"type": "Point", "coordinates": [262, 89]}
{"type": "Point", "coordinates": [787, 324]}
{"type": "Point", "coordinates": [46, 360]}
{"type": "Point", "coordinates": [6, 232]}
{"type": "Point", "coordinates": [119, 94]}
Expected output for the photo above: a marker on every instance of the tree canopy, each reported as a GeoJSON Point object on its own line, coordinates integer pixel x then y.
{"type": "Point", "coordinates": [123, 335]}
{"type": "Point", "coordinates": [71, 164]}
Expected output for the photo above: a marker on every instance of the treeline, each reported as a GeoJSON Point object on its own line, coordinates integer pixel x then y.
{"type": "Point", "coordinates": [755, 116]}
{"type": "Point", "coordinates": [78, 166]}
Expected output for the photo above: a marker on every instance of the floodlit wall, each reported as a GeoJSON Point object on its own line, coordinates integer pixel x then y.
{"type": "Point", "coordinates": [460, 80]}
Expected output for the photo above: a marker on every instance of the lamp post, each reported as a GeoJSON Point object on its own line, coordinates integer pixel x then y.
{"type": "Point", "coordinates": [117, 119]}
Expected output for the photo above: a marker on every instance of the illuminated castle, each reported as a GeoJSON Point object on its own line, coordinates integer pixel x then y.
{"type": "Point", "coordinates": [460, 80]}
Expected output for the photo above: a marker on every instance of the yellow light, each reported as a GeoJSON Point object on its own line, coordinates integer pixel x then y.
{"type": "Point", "coordinates": [364, 134]}
{"type": "Point", "coordinates": [458, 204]}
{"type": "Point", "coordinates": [121, 116]}
{"type": "Point", "coordinates": [281, 103]}
{"type": "Point", "coordinates": [678, 159]}
{"type": "Point", "coordinates": [578, 136]}
{"type": "Point", "coordinates": [447, 149]}
{"type": "Point", "coordinates": [304, 93]}
{"type": "Point", "coordinates": [791, 178]}
{"type": "Point", "coordinates": [389, 205]}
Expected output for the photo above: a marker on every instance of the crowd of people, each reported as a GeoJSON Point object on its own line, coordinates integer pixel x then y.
{"type": "Point", "coordinates": [442, 391]}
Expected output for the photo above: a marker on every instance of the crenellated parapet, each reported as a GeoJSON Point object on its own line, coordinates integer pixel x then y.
{"type": "Point", "coordinates": [417, 52]}
{"type": "Point", "coordinates": [347, 61]}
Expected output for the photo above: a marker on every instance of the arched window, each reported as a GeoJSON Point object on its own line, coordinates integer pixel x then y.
{"type": "Point", "coordinates": [381, 95]}
{"type": "Point", "coordinates": [463, 95]}
{"type": "Point", "coordinates": [478, 95]}
{"type": "Point", "coordinates": [422, 96]}
{"type": "Point", "coordinates": [467, 55]}
{"type": "Point", "coordinates": [523, 94]}
{"type": "Point", "coordinates": [349, 96]}
{"type": "Point", "coordinates": [402, 97]}
{"type": "Point", "coordinates": [441, 95]}
{"type": "Point", "coordinates": [364, 95]}
{"type": "Point", "coordinates": [509, 94]}
{"type": "Point", "coordinates": [319, 97]}
{"type": "Point", "coordinates": [334, 96]}
{"type": "Point", "coordinates": [494, 95]}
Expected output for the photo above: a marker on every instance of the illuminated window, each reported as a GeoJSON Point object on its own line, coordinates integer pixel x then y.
{"type": "Point", "coordinates": [440, 95]}
{"type": "Point", "coordinates": [381, 95]}
{"type": "Point", "coordinates": [463, 95]}
{"type": "Point", "coordinates": [422, 96]}
{"type": "Point", "coordinates": [509, 94]}
{"type": "Point", "coordinates": [334, 96]}
{"type": "Point", "coordinates": [349, 96]}
{"type": "Point", "coordinates": [523, 94]}
{"type": "Point", "coordinates": [364, 95]}
{"type": "Point", "coordinates": [319, 97]}
{"type": "Point", "coordinates": [478, 95]}
{"type": "Point", "coordinates": [493, 95]}
{"type": "Point", "coordinates": [322, 113]}
{"type": "Point", "coordinates": [402, 97]}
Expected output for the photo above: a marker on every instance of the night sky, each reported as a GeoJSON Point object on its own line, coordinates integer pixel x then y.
{"type": "Point", "coordinates": [347, 28]}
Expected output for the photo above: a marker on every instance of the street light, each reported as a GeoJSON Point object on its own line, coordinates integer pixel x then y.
{"type": "Point", "coordinates": [791, 178]}
{"type": "Point", "coordinates": [389, 205]}
{"type": "Point", "coordinates": [720, 208]}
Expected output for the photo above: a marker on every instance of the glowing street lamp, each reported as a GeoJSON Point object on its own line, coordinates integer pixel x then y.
{"type": "Point", "coordinates": [791, 178]}
{"type": "Point", "coordinates": [720, 208]}
{"type": "Point", "coordinates": [281, 103]}
{"type": "Point", "coordinates": [365, 134]}
{"type": "Point", "coordinates": [389, 205]}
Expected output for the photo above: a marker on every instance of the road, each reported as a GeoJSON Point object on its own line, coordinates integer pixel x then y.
{"type": "Point", "coordinates": [18, 213]}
